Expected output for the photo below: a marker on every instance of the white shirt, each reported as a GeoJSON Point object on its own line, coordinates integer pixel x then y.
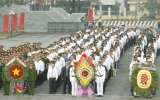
{"type": "Point", "coordinates": [78, 57]}
{"type": "Point", "coordinates": [62, 61]}
{"type": "Point", "coordinates": [116, 56]}
{"type": "Point", "coordinates": [137, 31]}
{"type": "Point", "coordinates": [101, 73]}
{"type": "Point", "coordinates": [39, 66]}
{"type": "Point", "coordinates": [97, 58]}
{"type": "Point", "coordinates": [58, 66]}
{"type": "Point", "coordinates": [158, 43]}
{"type": "Point", "coordinates": [52, 73]}
{"type": "Point", "coordinates": [72, 74]}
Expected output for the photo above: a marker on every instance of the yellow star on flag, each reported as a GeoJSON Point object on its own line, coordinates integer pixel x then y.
{"type": "Point", "coordinates": [16, 71]}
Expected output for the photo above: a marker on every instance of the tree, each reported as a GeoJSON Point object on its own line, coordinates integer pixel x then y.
{"type": "Point", "coordinates": [116, 8]}
{"type": "Point", "coordinates": [152, 6]}
{"type": "Point", "coordinates": [73, 4]}
{"type": "Point", "coordinates": [2, 4]}
{"type": "Point", "coordinates": [79, 5]}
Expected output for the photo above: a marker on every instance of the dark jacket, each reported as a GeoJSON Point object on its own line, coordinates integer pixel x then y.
{"type": "Point", "coordinates": [63, 73]}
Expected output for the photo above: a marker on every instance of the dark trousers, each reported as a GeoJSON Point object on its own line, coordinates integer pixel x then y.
{"type": "Point", "coordinates": [66, 82]}
{"type": "Point", "coordinates": [130, 42]}
{"type": "Point", "coordinates": [122, 52]}
{"type": "Point", "coordinates": [100, 24]}
{"type": "Point", "coordinates": [110, 74]}
{"type": "Point", "coordinates": [36, 82]}
{"type": "Point", "coordinates": [132, 91]}
{"type": "Point", "coordinates": [40, 79]}
{"type": "Point", "coordinates": [125, 47]}
{"type": "Point", "coordinates": [95, 87]}
{"type": "Point", "coordinates": [145, 49]}
{"type": "Point", "coordinates": [1, 82]}
{"type": "Point", "coordinates": [134, 41]}
{"type": "Point", "coordinates": [104, 85]}
{"type": "Point", "coordinates": [158, 52]}
{"type": "Point", "coordinates": [58, 82]}
{"type": "Point", "coordinates": [45, 75]}
{"type": "Point", "coordinates": [52, 85]}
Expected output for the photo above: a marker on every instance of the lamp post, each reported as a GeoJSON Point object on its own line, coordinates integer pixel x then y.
{"type": "Point", "coordinates": [138, 10]}
{"type": "Point", "coordinates": [11, 14]}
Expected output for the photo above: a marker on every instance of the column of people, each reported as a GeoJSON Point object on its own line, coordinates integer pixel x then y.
{"type": "Point", "coordinates": [105, 46]}
{"type": "Point", "coordinates": [146, 50]}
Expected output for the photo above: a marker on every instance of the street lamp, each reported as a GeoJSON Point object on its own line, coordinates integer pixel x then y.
{"type": "Point", "coordinates": [138, 10]}
{"type": "Point", "coordinates": [11, 14]}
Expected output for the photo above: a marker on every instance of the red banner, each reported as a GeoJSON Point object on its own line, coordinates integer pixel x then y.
{"type": "Point", "coordinates": [41, 2]}
{"type": "Point", "coordinates": [6, 23]}
{"type": "Point", "coordinates": [90, 15]}
{"type": "Point", "coordinates": [22, 15]}
{"type": "Point", "coordinates": [14, 22]}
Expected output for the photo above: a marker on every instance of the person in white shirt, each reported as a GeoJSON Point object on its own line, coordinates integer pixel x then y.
{"type": "Point", "coordinates": [39, 64]}
{"type": "Point", "coordinates": [73, 80]}
{"type": "Point", "coordinates": [153, 31]}
{"type": "Point", "coordinates": [100, 78]}
{"type": "Point", "coordinates": [100, 21]}
{"type": "Point", "coordinates": [58, 66]}
{"type": "Point", "coordinates": [52, 77]}
{"type": "Point", "coordinates": [123, 23]}
{"type": "Point", "coordinates": [137, 31]}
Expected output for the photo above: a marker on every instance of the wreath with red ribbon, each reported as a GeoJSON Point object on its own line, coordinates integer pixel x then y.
{"type": "Point", "coordinates": [16, 72]}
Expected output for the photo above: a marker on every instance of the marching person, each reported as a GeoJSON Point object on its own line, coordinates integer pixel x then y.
{"type": "Point", "coordinates": [6, 83]}
{"type": "Point", "coordinates": [100, 22]}
{"type": "Point", "coordinates": [65, 77]}
{"type": "Point", "coordinates": [73, 79]}
{"type": "Point", "coordinates": [31, 78]}
{"type": "Point", "coordinates": [100, 78]}
{"type": "Point", "coordinates": [52, 77]}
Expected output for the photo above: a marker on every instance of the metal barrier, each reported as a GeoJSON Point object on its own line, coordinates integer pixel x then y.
{"type": "Point", "coordinates": [66, 26]}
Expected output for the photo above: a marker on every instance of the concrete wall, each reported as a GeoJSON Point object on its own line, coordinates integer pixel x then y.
{"type": "Point", "coordinates": [37, 21]}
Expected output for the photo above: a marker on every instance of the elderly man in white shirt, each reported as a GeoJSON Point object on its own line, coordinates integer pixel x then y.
{"type": "Point", "coordinates": [52, 77]}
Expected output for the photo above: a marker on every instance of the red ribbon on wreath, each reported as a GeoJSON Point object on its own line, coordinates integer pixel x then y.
{"type": "Point", "coordinates": [144, 79]}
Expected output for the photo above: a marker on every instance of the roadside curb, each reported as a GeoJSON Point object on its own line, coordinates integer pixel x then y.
{"type": "Point", "coordinates": [10, 36]}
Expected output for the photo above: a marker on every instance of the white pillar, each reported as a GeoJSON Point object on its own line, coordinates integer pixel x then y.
{"type": "Point", "coordinates": [109, 13]}
{"type": "Point", "coordinates": [100, 8]}
{"type": "Point", "coordinates": [124, 13]}
{"type": "Point", "coordinates": [93, 12]}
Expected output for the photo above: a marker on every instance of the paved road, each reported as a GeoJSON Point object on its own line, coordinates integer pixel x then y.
{"type": "Point", "coordinates": [118, 87]}
{"type": "Point", "coordinates": [45, 39]}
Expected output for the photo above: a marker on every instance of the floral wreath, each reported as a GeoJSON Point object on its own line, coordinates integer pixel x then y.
{"type": "Point", "coordinates": [85, 71]}
{"type": "Point", "coordinates": [144, 80]}
{"type": "Point", "coordinates": [16, 71]}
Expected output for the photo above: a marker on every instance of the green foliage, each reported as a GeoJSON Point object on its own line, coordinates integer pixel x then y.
{"type": "Point", "coordinates": [117, 5]}
{"type": "Point", "coordinates": [9, 78]}
{"type": "Point", "coordinates": [152, 6]}
{"type": "Point", "coordinates": [2, 3]}
{"type": "Point", "coordinates": [154, 82]}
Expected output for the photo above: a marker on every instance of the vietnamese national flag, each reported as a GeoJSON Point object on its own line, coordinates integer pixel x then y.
{"type": "Point", "coordinates": [41, 2]}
